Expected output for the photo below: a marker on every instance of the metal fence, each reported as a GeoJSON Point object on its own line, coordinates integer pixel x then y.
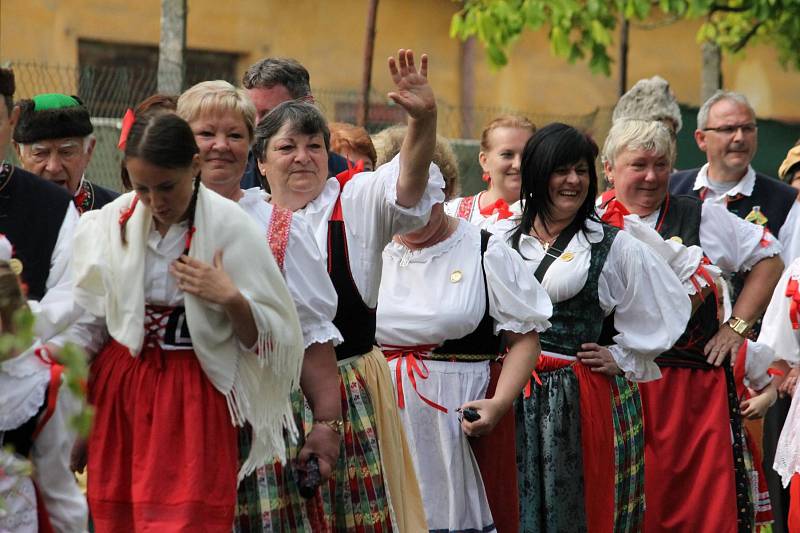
{"type": "Point", "coordinates": [108, 90]}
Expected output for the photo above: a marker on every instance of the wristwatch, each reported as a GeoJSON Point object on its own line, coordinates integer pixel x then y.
{"type": "Point", "coordinates": [336, 425]}
{"type": "Point", "coordinates": [739, 325]}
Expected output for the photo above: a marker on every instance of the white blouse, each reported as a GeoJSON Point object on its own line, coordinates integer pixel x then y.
{"type": "Point", "coordinates": [776, 325]}
{"type": "Point", "coordinates": [372, 217]}
{"type": "Point", "coordinates": [304, 271]}
{"type": "Point", "coordinates": [731, 243]}
{"type": "Point", "coordinates": [451, 208]}
{"type": "Point", "coordinates": [651, 308]}
{"type": "Point", "coordinates": [23, 382]}
{"type": "Point", "coordinates": [434, 294]}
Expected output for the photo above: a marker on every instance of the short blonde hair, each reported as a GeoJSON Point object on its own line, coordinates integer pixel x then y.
{"type": "Point", "coordinates": [217, 96]}
{"type": "Point", "coordinates": [389, 141]}
{"type": "Point", "coordinates": [632, 134]}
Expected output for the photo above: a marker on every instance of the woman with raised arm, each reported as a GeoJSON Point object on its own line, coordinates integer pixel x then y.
{"type": "Point", "coordinates": [202, 336]}
{"type": "Point", "coordinates": [353, 218]}
{"type": "Point", "coordinates": [580, 441]}
{"type": "Point", "coordinates": [222, 118]}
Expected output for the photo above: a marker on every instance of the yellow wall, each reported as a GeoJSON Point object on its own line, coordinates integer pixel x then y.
{"type": "Point", "coordinates": [328, 37]}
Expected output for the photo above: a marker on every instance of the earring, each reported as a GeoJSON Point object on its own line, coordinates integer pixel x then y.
{"type": "Point", "coordinates": [486, 177]}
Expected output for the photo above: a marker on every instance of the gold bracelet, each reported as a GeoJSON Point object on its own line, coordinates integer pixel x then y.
{"type": "Point", "coordinates": [336, 425]}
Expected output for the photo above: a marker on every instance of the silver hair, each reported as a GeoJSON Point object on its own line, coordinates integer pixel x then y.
{"type": "Point", "coordinates": [632, 134]}
{"type": "Point", "coordinates": [702, 114]}
{"type": "Point", "coordinates": [273, 71]}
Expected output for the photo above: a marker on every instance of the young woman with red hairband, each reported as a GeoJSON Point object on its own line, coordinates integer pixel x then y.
{"type": "Point", "coordinates": [502, 142]}
{"type": "Point", "coordinates": [202, 336]}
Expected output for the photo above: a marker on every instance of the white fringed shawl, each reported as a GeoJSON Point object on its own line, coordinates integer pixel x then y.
{"type": "Point", "coordinates": [109, 282]}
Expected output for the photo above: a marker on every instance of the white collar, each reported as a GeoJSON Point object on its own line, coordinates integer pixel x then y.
{"type": "Point", "coordinates": [744, 187]}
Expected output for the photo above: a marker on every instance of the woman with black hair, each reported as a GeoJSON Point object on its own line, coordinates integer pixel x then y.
{"type": "Point", "coordinates": [580, 448]}
{"type": "Point", "coordinates": [203, 336]}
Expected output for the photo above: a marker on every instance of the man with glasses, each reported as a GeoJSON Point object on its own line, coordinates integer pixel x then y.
{"type": "Point", "coordinates": [728, 133]}
{"type": "Point", "coordinates": [53, 139]}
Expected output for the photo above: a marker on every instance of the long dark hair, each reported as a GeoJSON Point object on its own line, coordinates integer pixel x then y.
{"type": "Point", "coordinates": [164, 140]}
{"type": "Point", "coordinates": [554, 146]}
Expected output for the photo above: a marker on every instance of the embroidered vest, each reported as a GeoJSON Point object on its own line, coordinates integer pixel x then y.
{"type": "Point", "coordinates": [354, 319]}
{"type": "Point", "coordinates": [569, 324]}
{"type": "Point", "coordinates": [680, 219]}
{"type": "Point", "coordinates": [31, 213]}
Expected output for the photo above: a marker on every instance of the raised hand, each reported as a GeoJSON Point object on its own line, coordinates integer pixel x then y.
{"type": "Point", "coordinates": [413, 93]}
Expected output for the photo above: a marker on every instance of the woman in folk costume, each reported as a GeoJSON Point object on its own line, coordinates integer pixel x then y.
{"type": "Point", "coordinates": [580, 441]}
{"type": "Point", "coordinates": [353, 218]}
{"type": "Point", "coordinates": [502, 142]}
{"type": "Point", "coordinates": [780, 330]}
{"type": "Point", "coordinates": [35, 407]}
{"type": "Point", "coordinates": [451, 297]}
{"type": "Point", "coordinates": [203, 337]}
{"type": "Point", "coordinates": [692, 412]}
{"type": "Point", "coordinates": [222, 118]}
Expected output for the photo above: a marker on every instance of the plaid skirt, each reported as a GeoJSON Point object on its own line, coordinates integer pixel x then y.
{"type": "Point", "coordinates": [355, 497]}
{"type": "Point", "coordinates": [580, 451]}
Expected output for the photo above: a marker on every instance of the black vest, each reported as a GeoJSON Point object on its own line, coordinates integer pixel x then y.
{"type": "Point", "coordinates": [354, 319]}
{"type": "Point", "coordinates": [773, 197]}
{"type": "Point", "coordinates": [680, 220]}
{"type": "Point", "coordinates": [31, 213]}
{"type": "Point", "coordinates": [482, 341]}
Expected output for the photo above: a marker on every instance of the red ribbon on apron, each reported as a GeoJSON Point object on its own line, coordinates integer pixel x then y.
{"type": "Point", "coordinates": [414, 359]}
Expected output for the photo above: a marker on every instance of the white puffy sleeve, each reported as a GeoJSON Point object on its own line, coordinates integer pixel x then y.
{"type": "Point", "coordinates": [516, 300]}
{"type": "Point", "coordinates": [89, 263]}
{"type": "Point", "coordinates": [55, 310]}
{"type": "Point", "coordinates": [310, 285]}
{"type": "Point", "coordinates": [777, 330]}
{"type": "Point", "coordinates": [687, 262]}
{"type": "Point", "coordinates": [732, 243]}
{"type": "Point", "coordinates": [50, 454]}
{"type": "Point", "coordinates": [371, 211]}
{"type": "Point", "coordinates": [651, 308]}
{"type": "Point", "coordinates": [759, 358]}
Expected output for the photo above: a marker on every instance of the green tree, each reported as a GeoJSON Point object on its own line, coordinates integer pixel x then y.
{"type": "Point", "coordinates": [578, 29]}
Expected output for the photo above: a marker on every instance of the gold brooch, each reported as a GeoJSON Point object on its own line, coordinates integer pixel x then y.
{"type": "Point", "coordinates": [567, 257]}
{"type": "Point", "coordinates": [677, 239]}
{"type": "Point", "coordinates": [456, 276]}
{"type": "Point", "coordinates": [15, 265]}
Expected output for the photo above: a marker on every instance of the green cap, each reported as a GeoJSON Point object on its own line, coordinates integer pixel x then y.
{"type": "Point", "coordinates": [43, 102]}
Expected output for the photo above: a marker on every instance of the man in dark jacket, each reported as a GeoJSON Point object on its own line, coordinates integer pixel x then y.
{"type": "Point", "coordinates": [727, 132]}
{"type": "Point", "coordinates": [270, 82]}
{"type": "Point", "coordinates": [53, 139]}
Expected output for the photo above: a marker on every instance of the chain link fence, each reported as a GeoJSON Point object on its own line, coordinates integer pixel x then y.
{"type": "Point", "coordinates": [109, 90]}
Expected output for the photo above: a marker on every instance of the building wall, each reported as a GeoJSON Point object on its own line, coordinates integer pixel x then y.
{"type": "Point", "coordinates": [328, 37]}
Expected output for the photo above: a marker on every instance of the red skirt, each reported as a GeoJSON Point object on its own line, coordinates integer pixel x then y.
{"type": "Point", "coordinates": [163, 451]}
{"type": "Point", "coordinates": [690, 482]}
{"type": "Point", "coordinates": [497, 459]}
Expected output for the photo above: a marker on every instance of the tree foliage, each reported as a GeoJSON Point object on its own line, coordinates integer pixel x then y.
{"type": "Point", "coordinates": [580, 28]}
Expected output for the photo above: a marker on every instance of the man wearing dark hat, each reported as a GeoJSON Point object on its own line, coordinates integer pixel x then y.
{"type": "Point", "coordinates": [54, 140]}
{"type": "Point", "coordinates": [39, 219]}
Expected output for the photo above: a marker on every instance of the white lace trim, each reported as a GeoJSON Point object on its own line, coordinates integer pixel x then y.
{"type": "Point", "coordinates": [23, 382]}
{"type": "Point", "coordinates": [787, 454]}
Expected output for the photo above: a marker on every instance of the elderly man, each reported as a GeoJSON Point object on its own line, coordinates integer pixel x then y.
{"type": "Point", "coordinates": [727, 132]}
{"type": "Point", "coordinates": [268, 83]}
{"type": "Point", "coordinates": [53, 139]}
{"type": "Point", "coordinates": [692, 411]}
{"type": "Point", "coordinates": [38, 219]}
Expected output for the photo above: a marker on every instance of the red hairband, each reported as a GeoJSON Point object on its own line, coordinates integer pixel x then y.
{"type": "Point", "coordinates": [127, 122]}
